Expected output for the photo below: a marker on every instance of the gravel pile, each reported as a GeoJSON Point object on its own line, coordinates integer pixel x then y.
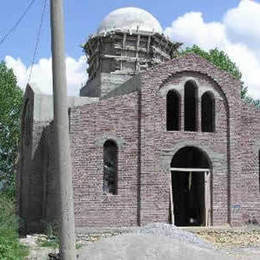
{"type": "Point", "coordinates": [174, 232]}
{"type": "Point", "coordinates": [154, 242]}
{"type": "Point", "coordinates": [162, 229]}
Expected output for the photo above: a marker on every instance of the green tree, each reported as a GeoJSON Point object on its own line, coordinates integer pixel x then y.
{"type": "Point", "coordinates": [221, 60]}
{"type": "Point", "coordinates": [11, 98]}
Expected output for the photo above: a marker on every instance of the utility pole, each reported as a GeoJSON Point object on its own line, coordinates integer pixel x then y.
{"type": "Point", "coordinates": [61, 129]}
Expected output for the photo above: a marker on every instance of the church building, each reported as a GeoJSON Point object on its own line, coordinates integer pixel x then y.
{"type": "Point", "coordinates": [155, 137]}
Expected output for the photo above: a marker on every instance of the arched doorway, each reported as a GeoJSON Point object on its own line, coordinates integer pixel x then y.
{"type": "Point", "coordinates": [190, 184]}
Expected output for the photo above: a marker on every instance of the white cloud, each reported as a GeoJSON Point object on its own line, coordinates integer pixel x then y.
{"type": "Point", "coordinates": [41, 79]}
{"type": "Point", "coordinates": [238, 34]}
{"type": "Point", "coordinates": [242, 23]}
{"type": "Point", "coordinates": [191, 29]}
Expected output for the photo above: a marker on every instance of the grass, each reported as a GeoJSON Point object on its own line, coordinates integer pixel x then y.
{"type": "Point", "coordinates": [10, 248]}
{"type": "Point", "coordinates": [52, 242]}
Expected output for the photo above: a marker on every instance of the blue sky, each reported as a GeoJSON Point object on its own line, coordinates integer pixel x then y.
{"type": "Point", "coordinates": [231, 25]}
{"type": "Point", "coordinates": [83, 17]}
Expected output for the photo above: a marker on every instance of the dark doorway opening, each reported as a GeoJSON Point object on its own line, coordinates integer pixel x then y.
{"type": "Point", "coordinates": [190, 169]}
{"type": "Point", "coordinates": [188, 197]}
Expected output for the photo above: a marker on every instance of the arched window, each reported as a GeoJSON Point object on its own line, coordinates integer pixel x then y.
{"type": "Point", "coordinates": [110, 157]}
{"type": "Point", "coordinates": [190, 106]}
{"type": "Point", "coordinates": [207, 112]}
{"type": "Point", "coordinates": [173, 110]}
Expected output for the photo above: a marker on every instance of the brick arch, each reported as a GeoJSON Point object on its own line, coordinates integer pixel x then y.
{"type": "Point", "coordinates": [225, 85]}
{"type": "Point", "coordinates": [100, 141]}
{"type": "Point", "coordinates": [162, 73]}
{"type": "Point", "coordinates": [213, 157]}
{"type": "Point", "coordinates": [216, 85]}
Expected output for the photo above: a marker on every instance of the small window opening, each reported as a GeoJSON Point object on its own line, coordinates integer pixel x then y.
{"type": "Point", "coordinates": [173, 110]}
{"type": "Point", "coordinates": [110, 156]}
{"type": "Point", "coordinates": [207, 112]}
{"type": "Point", "coordinates": [190, 106]}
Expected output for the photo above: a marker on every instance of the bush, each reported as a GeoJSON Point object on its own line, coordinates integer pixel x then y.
{"type": "Point", "coordinates": [11, 100]}
{"type": "Point", "coordinates": [10, 248]}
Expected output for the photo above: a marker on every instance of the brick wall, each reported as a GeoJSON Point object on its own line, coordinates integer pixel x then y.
{"type": "Point", "coordinates": [91, 126]}
{"type": "Point", "coordinates": [136, 121]}
{"type": "Point", "coordinates": [250, 147]}
{"type": "Point", "coordinates": [223, 145]}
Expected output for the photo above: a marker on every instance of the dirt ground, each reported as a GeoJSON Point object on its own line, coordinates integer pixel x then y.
{"type": "Point", "coordinates": [229, 239]}
{"type": "Point", "coordinates": [243, 243]}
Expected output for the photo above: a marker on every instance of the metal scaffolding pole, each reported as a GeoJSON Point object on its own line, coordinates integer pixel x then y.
{"type": "Point", "coordinates": [61, 128]}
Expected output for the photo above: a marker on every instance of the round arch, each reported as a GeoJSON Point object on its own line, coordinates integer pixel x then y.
{"type": "Point", "coordinates": [191, 157]}
{"type": "Point", "coordinates": [215, 159]}
{"type": "Point", "coordinates": [190, 187]}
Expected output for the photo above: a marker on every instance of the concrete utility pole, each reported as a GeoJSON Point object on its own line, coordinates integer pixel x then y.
{"type": "Point", "coordinates": [61, 128]}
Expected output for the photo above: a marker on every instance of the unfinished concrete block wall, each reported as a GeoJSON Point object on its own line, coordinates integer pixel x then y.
{"type": "Point", "coordinates": [115, 57]}
{"type": "Point", "coordinates": [50, 179]}
{"type": "Point", "coordinates": [29, 175]}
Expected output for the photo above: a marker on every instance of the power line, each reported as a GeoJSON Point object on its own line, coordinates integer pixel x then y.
{"type": "Point", "coordinates": [13, 28]}
{"type": "Point", "coordinates": [37, 40]}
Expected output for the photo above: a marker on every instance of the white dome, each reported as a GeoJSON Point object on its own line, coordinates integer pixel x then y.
{"type": "Point", "coordinates": [130, 18]}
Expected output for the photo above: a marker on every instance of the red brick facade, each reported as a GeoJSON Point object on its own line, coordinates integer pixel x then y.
{"type": "Point", "coordinates": [139, 120]}
{"type": "Point", "coordinates": [136, 121]}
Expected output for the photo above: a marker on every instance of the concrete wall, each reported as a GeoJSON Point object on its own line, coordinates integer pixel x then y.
{"type": "Point", "coordinates": [36, 176]}
{"type": "Point", "coordinates": [114, 57]}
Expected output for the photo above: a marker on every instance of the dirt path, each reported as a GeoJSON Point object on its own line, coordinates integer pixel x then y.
{"type": "Point", "coordinates": [241, 243]}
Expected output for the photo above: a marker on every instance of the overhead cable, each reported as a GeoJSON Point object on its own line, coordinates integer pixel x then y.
{"type": "Point", "coordinates": [14, 27]}
{"type": "Point", "coordinates": [37, 40]}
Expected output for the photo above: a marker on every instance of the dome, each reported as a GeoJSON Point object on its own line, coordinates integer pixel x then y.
{"type": "Point", "coordinates": [130, 18]}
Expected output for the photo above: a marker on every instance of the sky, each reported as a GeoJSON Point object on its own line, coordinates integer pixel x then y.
{"type": "Point", "coordinates": [230, 25]}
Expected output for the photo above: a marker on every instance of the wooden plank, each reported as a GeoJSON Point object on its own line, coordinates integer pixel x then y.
{"type": "Point", "coordinates": [207, 198]}
{"type": "Point", "coordinates": [189, 169]}
{"type": "Point", "coordinates": [171, 201]}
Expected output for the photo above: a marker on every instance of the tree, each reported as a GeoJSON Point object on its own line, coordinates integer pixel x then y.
{"type": "Point", "coordinates": [221, 60]}
{"type": "Point", "coordinates": [11, 99]}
